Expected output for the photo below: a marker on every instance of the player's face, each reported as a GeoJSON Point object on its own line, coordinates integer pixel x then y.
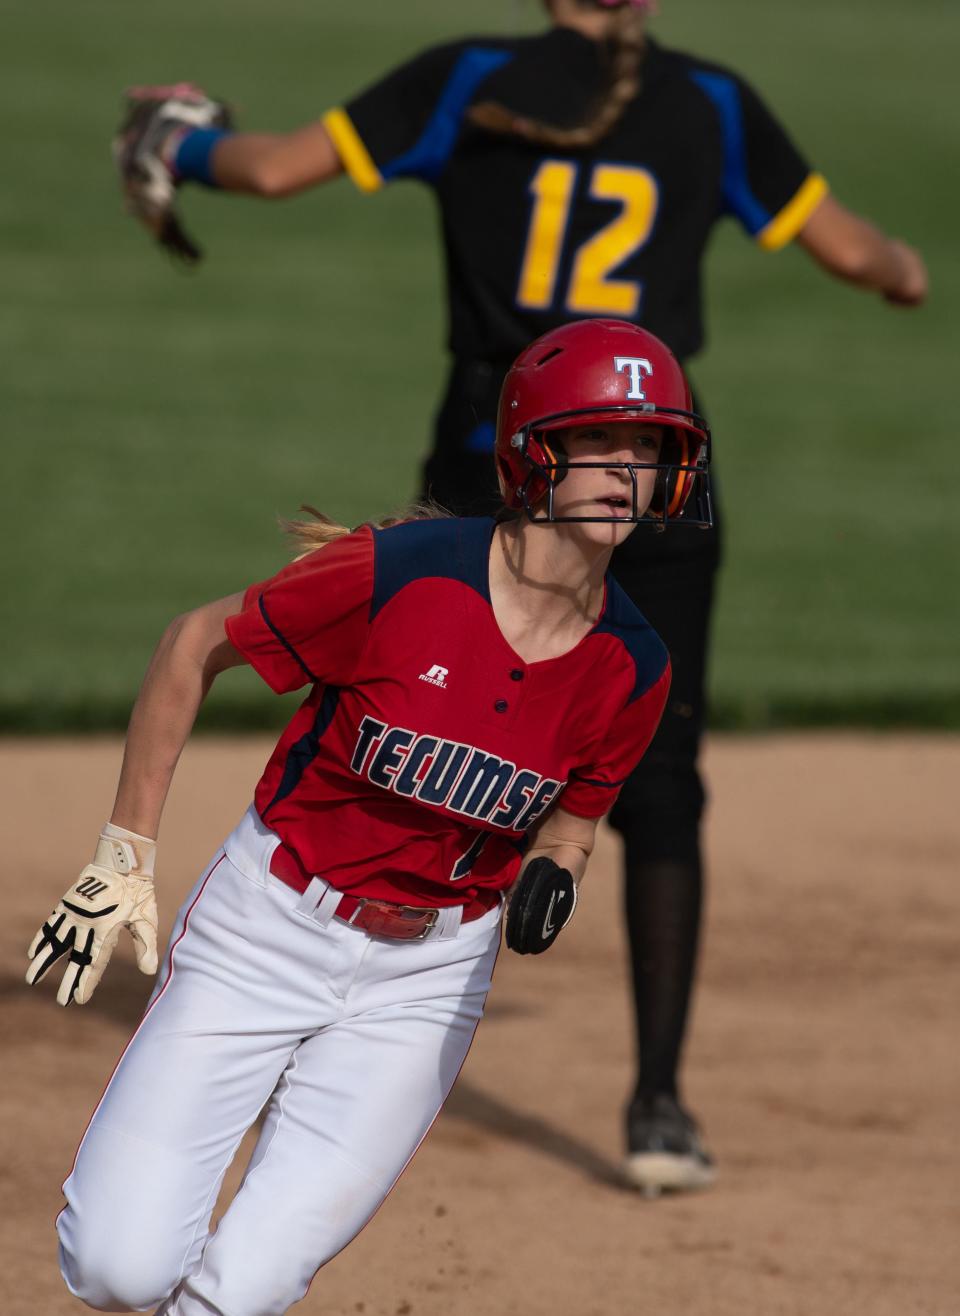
{"type": "Point", "coordinates": [597, 483]}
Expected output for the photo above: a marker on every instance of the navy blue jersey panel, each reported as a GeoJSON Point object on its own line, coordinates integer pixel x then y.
{"type": "Point", "coordinates": [444, 548]}
{"type": "Point", "coordinates": [305, 750]}
{"type": "Point", "coordinates": [624, 620]}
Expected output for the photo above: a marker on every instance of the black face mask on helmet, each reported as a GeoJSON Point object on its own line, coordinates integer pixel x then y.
{"type": "Point", "coordinates": [681, 492]}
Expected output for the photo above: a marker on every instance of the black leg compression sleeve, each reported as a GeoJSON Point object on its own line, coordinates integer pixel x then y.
{"type": "Point", "coordinates": [663, 919]}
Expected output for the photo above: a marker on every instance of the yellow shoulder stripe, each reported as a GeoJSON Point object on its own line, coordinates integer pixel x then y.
{"type": "Point", "coordinates": [785, 226]}
{"type": "Point", "coordinates": [351, 150]}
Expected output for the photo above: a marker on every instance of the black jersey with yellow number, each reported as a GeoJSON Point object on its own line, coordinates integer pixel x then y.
{"type": "Point", "coordinates": [536, 236]}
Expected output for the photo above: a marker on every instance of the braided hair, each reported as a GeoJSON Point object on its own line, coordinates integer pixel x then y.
{"type": "Point", "coordinates": [623, 83]}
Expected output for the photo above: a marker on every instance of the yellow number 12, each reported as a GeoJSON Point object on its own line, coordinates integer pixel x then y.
{"type": "Point", "coordinates": [590, 290]}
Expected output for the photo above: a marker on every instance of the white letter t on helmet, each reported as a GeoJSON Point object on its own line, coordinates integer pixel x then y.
{"type": "Point", "coordinates": [638, 367]}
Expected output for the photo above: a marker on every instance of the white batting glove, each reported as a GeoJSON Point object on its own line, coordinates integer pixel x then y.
{"type": "Point", "coordinates": [114, 892]}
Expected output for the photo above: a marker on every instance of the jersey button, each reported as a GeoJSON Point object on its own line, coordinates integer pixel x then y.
{"type": "Point", "coordinates": [500, 706]}
{"type": "Point", "coordinates": [516, 674]}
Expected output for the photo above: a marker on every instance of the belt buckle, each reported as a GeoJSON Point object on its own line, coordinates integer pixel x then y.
{"type": "Point", "coordinates": [433, 915]}
{"type": "Point", "coordinates": [414, 911]}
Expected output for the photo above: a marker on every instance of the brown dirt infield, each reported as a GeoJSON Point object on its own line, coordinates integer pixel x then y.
{"type": "Point", "coordinates": [824, 1059]}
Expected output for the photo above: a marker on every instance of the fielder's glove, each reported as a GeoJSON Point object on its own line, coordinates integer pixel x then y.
{"type": "Point", "coordinates": [156, 119]}
{"type": "Point", "coordinates": [541, 906]}
{"type": "Point", "coordinates": [114, 892]}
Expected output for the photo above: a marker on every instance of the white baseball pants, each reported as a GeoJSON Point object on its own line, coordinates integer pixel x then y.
{"type": "Point", "coordinates": [350, 1042]}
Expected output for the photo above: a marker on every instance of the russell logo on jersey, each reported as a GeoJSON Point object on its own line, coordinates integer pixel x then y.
{"type": "Point", "coordinates": [451, 775]}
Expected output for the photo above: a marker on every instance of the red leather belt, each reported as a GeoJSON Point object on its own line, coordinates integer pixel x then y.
{"type": "Point", "coordinates": [381, 918]}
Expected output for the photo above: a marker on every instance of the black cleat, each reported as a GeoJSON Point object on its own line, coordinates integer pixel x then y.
{"type": "Point", "coordinates": [664, 1151]}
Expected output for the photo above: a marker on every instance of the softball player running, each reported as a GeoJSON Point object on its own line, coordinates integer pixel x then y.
{"type": "Point", "coordinates": [478, 691]}
{"type": "Point", "coordinates": [580, 172]}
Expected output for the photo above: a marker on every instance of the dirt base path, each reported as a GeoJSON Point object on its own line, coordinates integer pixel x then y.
{"type": "Point", "coordinates": [824, 1060]}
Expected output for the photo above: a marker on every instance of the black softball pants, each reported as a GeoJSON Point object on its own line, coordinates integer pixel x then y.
{"type": "Point", "coordinates": [670, 577]}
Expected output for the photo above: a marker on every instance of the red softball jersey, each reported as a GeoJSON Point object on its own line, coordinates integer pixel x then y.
{"type": "Point", "coordinates": [427, 748]}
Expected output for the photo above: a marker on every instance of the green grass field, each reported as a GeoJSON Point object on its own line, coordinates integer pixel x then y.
{"type": "Point", "coordinates": [156, 423]}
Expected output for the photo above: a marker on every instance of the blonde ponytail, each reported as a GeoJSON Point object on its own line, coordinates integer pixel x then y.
{"type": "Point", "coordinates": [307, 536]}
{"type": "Point", "coordinates": [623, 85]}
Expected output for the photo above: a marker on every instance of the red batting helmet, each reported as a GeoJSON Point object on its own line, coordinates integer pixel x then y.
{"type": "Point", "coordinates": [601, 371]}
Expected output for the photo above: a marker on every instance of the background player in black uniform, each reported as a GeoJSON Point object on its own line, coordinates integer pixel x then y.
{"type": "Point", "coordinates": [581, 172]}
